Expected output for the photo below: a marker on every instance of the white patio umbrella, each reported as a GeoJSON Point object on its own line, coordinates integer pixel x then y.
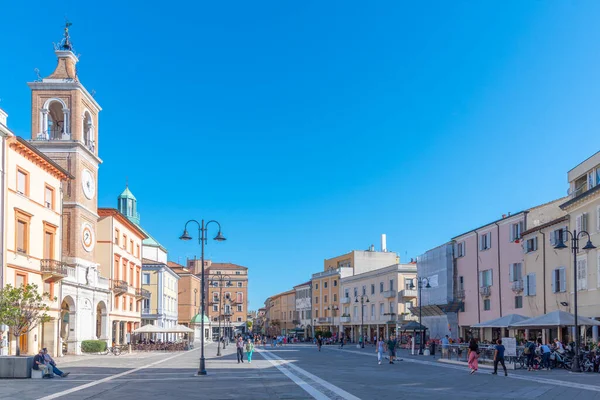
{"type": "Point", "coordinates": [555, 319]}
{"type": "Point", "coordinates": [502, 322]}
{"type": "Point", "coordinates": [149, 329]}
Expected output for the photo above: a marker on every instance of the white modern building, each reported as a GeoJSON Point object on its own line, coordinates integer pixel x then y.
{"type": "Point", "coordinates": [303, 314]}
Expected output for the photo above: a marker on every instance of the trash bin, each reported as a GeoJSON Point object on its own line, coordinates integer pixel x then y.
{"type": "Point", "coordinates": [432, 348]}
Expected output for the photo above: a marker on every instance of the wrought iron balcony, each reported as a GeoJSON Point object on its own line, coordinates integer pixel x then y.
{"type": "Point", "coordinates": [345, 300]}
{"type": "Point", "coordinates": [53, 270]}
{"type": "Point", "coordinates": [346, 319]}
{"type": "Point", "coordinates": [323, 320]}
{"type": "Point", "coordinates": [388, 294]}
{"type": "Point", "coordinates": [390, 318]}
{"type": "Point", "coordinates": [485, 291]}
{"type": "Point", "coordinates": [142, 293]}
{"type": "Point", "coordinates": [517, 286]}
{"type": "Point", "coordinates": [408, 293]}
{"type": "Point", "coordinates": [119, 287]}
{"type": "Point", "coordinates": [460, 294]}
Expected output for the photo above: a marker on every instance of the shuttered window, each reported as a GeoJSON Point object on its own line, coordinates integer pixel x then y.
{"type": "Point", "coordinates": [529, 285]}
{"type": "Point", "coordinates": [582, 274]}
{"type": "Point", "coordinates": [515, 271]}
{"type": "Point", "coordinates": [559, 280]}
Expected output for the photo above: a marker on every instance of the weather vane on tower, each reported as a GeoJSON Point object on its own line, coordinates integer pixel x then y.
{"type": "Point", "coordinates": [65, 43]}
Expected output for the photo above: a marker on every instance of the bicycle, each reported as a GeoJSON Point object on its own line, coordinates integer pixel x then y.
{"type": "Point", "coordinates": [116, 350]}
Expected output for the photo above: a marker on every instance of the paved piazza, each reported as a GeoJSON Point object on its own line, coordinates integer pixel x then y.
{"type": "Point", "coordinates": [292, 372]}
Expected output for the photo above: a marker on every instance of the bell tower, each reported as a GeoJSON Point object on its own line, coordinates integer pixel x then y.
{"type": "Point", "coordinates": [64, 126]}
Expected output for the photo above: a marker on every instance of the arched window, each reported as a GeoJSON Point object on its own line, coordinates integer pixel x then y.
{"type": "Point", "coordinates": [54, 120]}
{"type": "Point", "coordinates": [89, 139]}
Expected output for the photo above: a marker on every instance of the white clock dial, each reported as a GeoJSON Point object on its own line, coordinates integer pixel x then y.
{"type": "Point", "coordinates": [87, 237]}
{"type": "Point", "coordinates": [88, 184]}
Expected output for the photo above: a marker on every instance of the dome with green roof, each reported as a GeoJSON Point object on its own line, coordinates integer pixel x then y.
{"type": "Point", "coordinates": [127, 205]}
{"type": "Point", "coordinates": [198, 320]}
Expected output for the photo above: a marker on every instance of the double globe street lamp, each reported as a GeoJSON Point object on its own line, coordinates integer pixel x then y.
{"type": "Point", "coordinates": [362, 299]}
{"type": "Point", "coordinates": [575, 237]}
{"type": "Point", "coordinates": [420, 282]}
{"type": "Point", "coordinates": [202, 229]}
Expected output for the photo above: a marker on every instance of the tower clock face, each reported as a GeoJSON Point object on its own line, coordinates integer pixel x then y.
{"type": "Point", "coordinates": [87, 237]}
{"type": "Point", "coordinates": [88, 184]}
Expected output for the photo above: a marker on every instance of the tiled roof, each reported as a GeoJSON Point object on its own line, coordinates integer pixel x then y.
{"type": "Point", "coordinates": [226, 266]}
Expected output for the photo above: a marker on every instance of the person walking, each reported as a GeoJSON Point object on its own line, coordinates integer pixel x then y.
{"type": "Point", "coordinates": [380, 349]}
{"type": "Point", "coordinates": [249, 350]}
{"type": "Point", "coordinates": [319, 342]}
{"type": "Point", "coordinates": [499, 357]}
{"type": "Point", "coordinates": [239, 344]}
{"type": "Point", "coordinates": [341, 341]}
{"type": "Point", "coordinates": [391, 346]}
{"type": "Point", "coordinates": [445, 346]}
{"type": "Point", "coordinates": [473, 356]}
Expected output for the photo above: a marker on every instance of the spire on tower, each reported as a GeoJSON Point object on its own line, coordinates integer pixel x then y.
{"type": "Point", "coordinates": [66, 69]}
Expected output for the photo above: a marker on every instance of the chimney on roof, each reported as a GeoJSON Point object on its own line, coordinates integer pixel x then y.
{"type": "Point", "coordinates": [372, 248]}
{"type": "Point", "coordinates": [383, 243]}
{"type": "Point", "coordinates": [503, 216]}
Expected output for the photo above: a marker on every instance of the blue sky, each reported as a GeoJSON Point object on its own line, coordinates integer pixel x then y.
{"type": "Point", "coordinates": [309, 128]}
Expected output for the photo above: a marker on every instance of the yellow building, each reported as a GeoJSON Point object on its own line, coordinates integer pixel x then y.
{"type": "Point", "coordinates": [119, 255]}
{"type": "Point", "coordinates": [32, 226]}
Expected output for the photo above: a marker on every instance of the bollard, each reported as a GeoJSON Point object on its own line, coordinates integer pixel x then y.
{"type": "Point", "coordinates": [129, 348]}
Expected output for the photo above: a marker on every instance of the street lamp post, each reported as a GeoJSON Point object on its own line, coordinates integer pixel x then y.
{"type": "Point", "coordinates": [363, 299]}
{"type": "Point", "coordinates": [223, 280]}
{"type": "Point", "coordinates": [575, 237]}
{"type": "Point", "coordinates": [427, 286]}
{"type": "Point", "coordinates": [202, 228]}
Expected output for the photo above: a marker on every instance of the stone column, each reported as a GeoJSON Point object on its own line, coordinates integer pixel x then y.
{"type": "Point", "coordinates": [44, 124]}
{"type": "Point", "coordinates": [595, 334]}
{"type": "Point", "coordinates": [67, 116]}
{"type": "Point", "coordinates": [117, 338]}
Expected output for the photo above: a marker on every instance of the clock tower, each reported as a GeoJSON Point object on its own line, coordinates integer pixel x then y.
{"type": "Point", "coordinates": [64, 126]}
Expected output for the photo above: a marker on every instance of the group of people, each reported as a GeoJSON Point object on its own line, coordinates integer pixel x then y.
{"type": "Point", "coordinates": [474, 352]}
{"type": "Point", "coordinates": [240, 346]}
{"type": "Point", "coordinates": [45, 363]}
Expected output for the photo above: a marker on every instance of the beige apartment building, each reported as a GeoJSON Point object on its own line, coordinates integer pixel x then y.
{"type": "Point", "coordinates": [386, 295]}
{"type": "Point", "coordinates": [326, 284]}
{"type": "Point", "coordinates": [33, 223]}
{"type": "Point", "coordinates": [280, 313]}
{"type": "Point", "coordinates": [119, 254]}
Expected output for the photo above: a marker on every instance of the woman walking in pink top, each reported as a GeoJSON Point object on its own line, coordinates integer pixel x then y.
{"type": "Point", "coordinates": [473, 356]}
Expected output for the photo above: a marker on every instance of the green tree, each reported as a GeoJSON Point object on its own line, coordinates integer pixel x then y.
{"type": "Point", "coordinates": [22, 309]}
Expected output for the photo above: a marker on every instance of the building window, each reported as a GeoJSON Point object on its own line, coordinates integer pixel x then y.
{"type": "Point", "coordinates": [316, 300]}
{"type": "Point", "coordinates": [355, 312]}
{"type": "Point", "coordinates": [125, 242]}
{"type": "Point", "coordinates": [372, 288]}
{"type": "Point", "coordinates": [409, 284]}
{"type": "Point", "coordinates": [529, 285]}
{"type": "Point", "coordinates": [131, 246]}
{"type": "Point", "coordinates": [117, 236]}
{"type": "Point", "coordinates": [380, 287]}
{"type": "Point", "coordinates": [20, 279]}
{"type": "Point", "coordinates": [22, 238]}
{"type": "Point", "coordinates": [518, 301]}
{"type": "Point", "coordinates": [239, 307]}
{"type": "Point", "coordinates": [531, 245]}
{"type": "Point", "coordinates": [485, 278]}
{"type": "Point", "coordinates": [515, 231]}
{"type": "Point", "coordinates": [391, 308]}
{"type": "Point", "coordinates": [372, 311]}
{"type": "Point", "coordinates": [485, 241]}
{"type": "Point", "coordinates": [391, 284]}
{"type": "Point", "coordinates": [316, 286]}
{"type": "Point", "coordinates": [559, 280]}
{"type": "Point", "coordinates": [347, 292]}
{"type": "Point", "coordinates": [238, 272]}
{"type": "Point", "coordinates": [137, 250]}
{"type": "Point", "coordinates": [334, 297]}
{"type": "Point", "coordinates": [325, 285]}
{"type": "Point", "coordinates": [239, 319]}
{"type": "Point", "coordinates": [556, 235]}
{"type": "Point", "coordinates": [364, 290]}
{"type": "Point", "coordinates": [335, 282]}
{"type": "Point", "coordinates": [239, 284]}
{"type": "Point", "coordinates": [49, 233]}
{"type": "Point", "coordinates": [487, 305]}
{"type": "Point", "coordinates": [581, 222]}
{"type": "Point", "coordinates": [582, 273]}
{"type": "Point", "coordinates": [355, 292]}
{"type": "Point", "coordinates": [325, 299]}
{"type": "Point", "coordinates": [22, 182]}
{"type": "Point", "coordinates": [239, 297]}
{"type": "Point", "coordinates": [215, 307]}
{"type": "Point", "coordinates": [460, 249]}
{"type": "Point", "coordinates": [515, 271]}
{"type": "Point", "coordinates": [381, 309]}
{"type": "Point", "coordinates": [145, 279]}
{"type": "Point", "coordinates": [461, 283]}
{"type": "Point", "coordinates": [49, 197]}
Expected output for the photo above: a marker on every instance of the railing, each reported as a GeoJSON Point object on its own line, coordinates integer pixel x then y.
{"type": "Point", "coordinates": [103, 282]}
{"type": "Point", "coordinates": [391, 318]}
{"type": "Point", "coordinates": [142, 293]}
{"type": "Point", "coordinates": [459, 352]}
{"type": "Point", "coordinates": [146, 311]}
{"type": "Point", "coordinates": [346, 319]}
{"type": "Point", "coordinates": [517, 286]}
{"type": "Point", "coordinates": [388, 294]}
{"type": "Point", "coordinates": [460, 294]}
{"type": "Point", "coordinates": [345, 300]}
{"type": "Point", "coordinates": [54, 268]}
{"type": "Point", "coordinates": [408, 293]}
{"type": "Point", "coordinates": [324, 319]}
{"type": "Point", "coordinates": [485, 290]}
{"type": "Point", "coordinates": [120, 286]}
{"type": "Point", "coordinates": [329, 272]}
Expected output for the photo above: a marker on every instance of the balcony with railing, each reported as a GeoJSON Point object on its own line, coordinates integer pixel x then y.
{"type": "Point", "coordinates": [345, 300]}
{"type": "Point", "coordinates": [142, 293]}
{"type": "Point", "coordinates": [119, 287]}
{"type": "Point", "coordinates": [517, 286]}
{"type": "Point", "coordinates": [390, 318]}
{"type": "Point", "coordinates": [460, 294]}
{"type": "Point", "coordinates": [53, 270]}
{"type": "Point", "coordinates": [485, 291]}
{"type": "Point", "coordinates": [408, 293]}
{"type": "Point", "coordinates": [325, 320]}
{"type": "Point", "coordinates": [388, 294]}
{"type": "Point", "coordinates": [346, 319]}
